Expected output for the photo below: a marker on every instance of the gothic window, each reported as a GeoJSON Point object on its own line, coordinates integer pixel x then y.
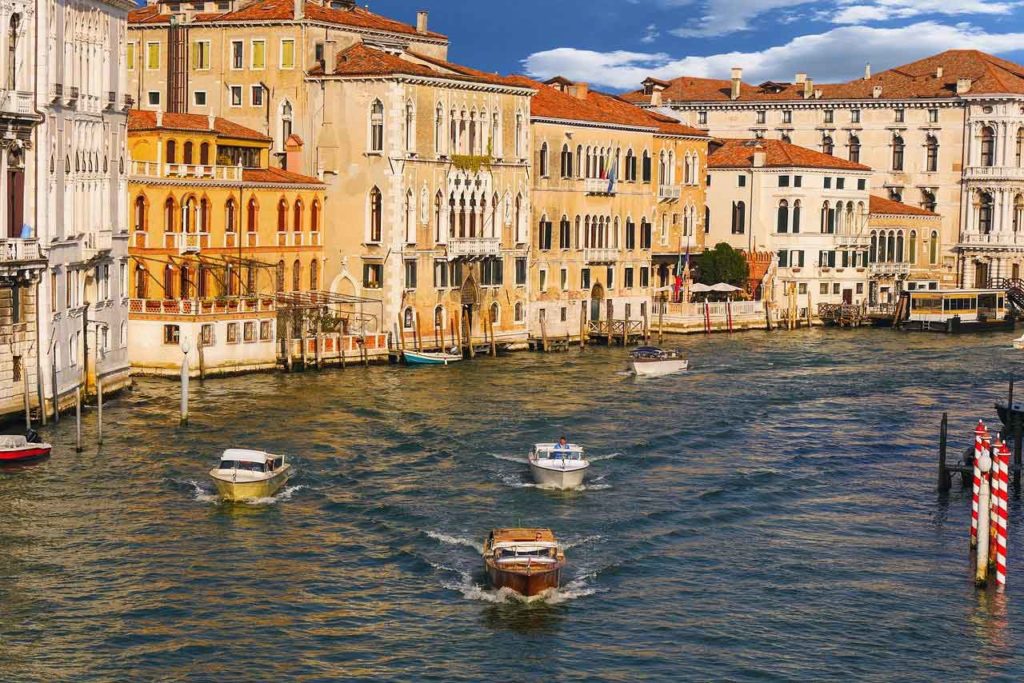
{"type": "Point", "coordinates": [297, 216]}
{"type": "Point", "coordinates": [376, 206]}
{"type": "Point", "coordinates": [985, 213]}
{"type": "Point", "coordinates": [279, 277]}
{"type": "Point", "coordinates": [296, 276]}
{"type": "Point", "coordinates": [630, 166]}
{"type": "Point", "coordinates": [646, 167]}
{"type": "Point", "coordinates": [169, 215]}
{"type": "Point", "coordinates": [377, 126]}
{"type": "Point", "coordinates": [543, 160]}
{"type": "Point", "coordinates": [252, 215]}
{"type": "Point", "coordinates": [12, 52]}
{"type": "Point", "coordinates": [171, 152]}
{"type": "Point", "coordinates": [438, 128]}
{"type": "Point", "coordinates": [314, 275]}
{"type": "Point", "coordinates": [912, 247]}
{"type": "Point", "coordinates": [229, 215]}
{"type": "Point", "coordinates": [782, 222]}
{"type": "Point", "coordinates": [796, 216]}
{"type": "Point", "coordinates": [140, 213]}
{"type": "Point", "coordinates": [282, 216]}
{"type": "Point", "coordinates": [410, 131]}
{"type": "Point", "coordinates": [314, 216]}
{"type": "Point", "coordinates": [933, 248]}
{"type": "Point", "coordinates": [566, 165]}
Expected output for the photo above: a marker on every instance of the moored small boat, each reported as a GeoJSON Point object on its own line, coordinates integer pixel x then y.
{"type": "Point", "coordinates": [650, 361]}
{"type": "Point", "coordinates": [1018, 343]}
{"type": "Point", "coordinates": [244, 474]}
{"type": "Point", "coordinates": [528, 561]}
{"type": "Point", "coordinates": [19, 449]}
{"type": "Point", "coordinates": [429, 358]}
{"type": "Point", "coordinates": [558, 466]}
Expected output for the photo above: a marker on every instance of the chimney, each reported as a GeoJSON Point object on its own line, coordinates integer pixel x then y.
{"type": "Point", "coordinates": [737, 79]}
{"type": "Point", "coordinates": [760, 157]}
{"type": "Point", "coordinates": [800, 78]}
{"type": "Point", "coordinates": [656, 97]}
{"type": "Point", "coordinates": [421, 21]}
{"type": "Point", "coordinates": [963, 86]}
{"type": "Point", "coordinates": [876, 92]}
{"type": "Point", "coordinates": [293, 154]}
{"type": "Point", "coordinates": [808, 88]}
{"type": "Point", "coordinates": [580, 90]}
{"type": "Point", "coordinates": [938, 72]}
{"type": "Point", "coordinates": [159, 118]}
{"type": "Point", "coordinates": [299, 9]}
{"type": "Point", "coordinates": [330, 59]}
{"type": "Point", "coordinates": [212, 121]}
{"type": "Point", "coordinates": [867, 71]}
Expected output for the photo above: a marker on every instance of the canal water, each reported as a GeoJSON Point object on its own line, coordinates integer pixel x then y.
{"type": "Point", "coordinates": [770, 515]}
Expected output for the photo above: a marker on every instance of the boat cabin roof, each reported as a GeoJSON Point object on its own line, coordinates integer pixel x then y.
{"type": "Point", "coordinates": [246, 455]}
{"type": "Point", "coordinates": [522, 535]}
{"type": "Point", "coordinates": [569, 448]}
{"type": "Point", "coordinates": [917, 293]}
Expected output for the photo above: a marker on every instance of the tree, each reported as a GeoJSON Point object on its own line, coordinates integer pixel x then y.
{"type": "Point", "coordinates": [723, 264]}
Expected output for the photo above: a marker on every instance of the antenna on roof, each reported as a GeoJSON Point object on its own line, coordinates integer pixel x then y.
{"type": "Point", "coordinates": [867, 71]}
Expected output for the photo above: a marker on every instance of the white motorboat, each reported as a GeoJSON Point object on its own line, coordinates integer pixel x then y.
{"type": "Point", "coordinates": [650, 361]}
{"type": "Point", "coordinates": [559, 467]}
{"type": "Point", "coordinates": [244, 474]}
{"type": "Point", "coordinates": [1018, 343]}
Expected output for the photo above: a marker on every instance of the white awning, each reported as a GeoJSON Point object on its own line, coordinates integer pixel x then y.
{"type": "Point", "coordinates": [525, 547]}
{"type": "Point", "coordinates": [246, 455]}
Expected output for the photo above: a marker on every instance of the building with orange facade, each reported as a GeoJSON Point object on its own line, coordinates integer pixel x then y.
{"type": "Point", "coordinates": [219, 240]}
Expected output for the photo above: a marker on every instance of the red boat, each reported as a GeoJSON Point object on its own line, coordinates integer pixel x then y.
{"type": "Point", "coordinates": [20, 449]}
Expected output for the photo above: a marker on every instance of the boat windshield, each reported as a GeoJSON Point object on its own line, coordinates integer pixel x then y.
{"type": "Point", "coordinates": [532, 553]}
{"type": "Point", "coordinates": [241, 465]}
{"type": "Point", "coordinates": [571, 453]}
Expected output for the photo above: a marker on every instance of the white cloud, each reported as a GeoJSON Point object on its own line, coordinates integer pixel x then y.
{"type": "Point", "coordinates": [651, 34]}
{"type": "Point", "coordinates": [860, 12]}
{"type": "Point", "coordinates": [836, 55]}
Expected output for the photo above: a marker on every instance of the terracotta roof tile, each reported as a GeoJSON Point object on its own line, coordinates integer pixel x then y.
{"type": "Point", "coordinates": [284, 10]}
{"type": "Point", "coordinates": [143, 120]}
{"type": "Point", "coordinates": [361, 60]}
{"type": "Point", "coordinates": [552, 103]}
{"type": "Point", "coordinates": [778, 154]}
{"type": "Point", "coordinates": [920, 79]}
{"type": "Point", "coordinates": [889, 207]}
{"type": "Point", "coordinates": [277, 176]}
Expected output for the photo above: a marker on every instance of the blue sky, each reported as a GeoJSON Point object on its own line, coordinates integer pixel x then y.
{"type": "Point", "coordinates": [614, 44]}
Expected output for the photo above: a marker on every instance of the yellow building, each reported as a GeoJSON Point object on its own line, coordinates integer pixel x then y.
{"type": "Point", "coordinates": [906, 251]}
{"type": "Point", "coordinates": [433, 163]}
{"type": "Point", "coordinates": [217, 238]}
{"type": "Point", "coordinates": [618, 195]}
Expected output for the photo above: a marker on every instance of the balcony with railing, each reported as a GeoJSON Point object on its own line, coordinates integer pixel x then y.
{"type": "Point", "coordinates": [297, 239]}
{"type": "Point", "coordinates": [992, 239]}
{"type": "Point", "coordinates": [16, 102]}
{"type": "Point", "coordinates": [242, 306]}
{"type": "Point", "coordinates": [153, 169]}
{"type": "Point", "coordinates": [599, 186]}
{"type": "Point", "coordinates": [853, 240]}
{"type": "Point", "coordinates": [13, 249]}
{"type": "Point", "coordinates": [889, 269]}
{"type": "Point", "coordinates": [669, 193]}
{"type": "Point", "coordinates": [187, 242]}
{"type": "Point", "coordinates": [93, 243]}
{"type": "Point", "coordinates": [600, 254]}
{"type": "Point", "coordinates": [474, 247]}
{"type": "Point", "coordinates": [993, 173]}
{"type": "Point", "coordinates": [20, 261]}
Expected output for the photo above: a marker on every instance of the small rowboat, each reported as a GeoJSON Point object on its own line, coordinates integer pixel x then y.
{"type": "Point", "coordinates": [244, 474]}
{"type": "Point", "coordinates": [429, 358]}
{"type": "Point", "coordinates": [559, 467]}
{"type": "Point", "coordinates": [1018, 343]}
{"type": "Point", "coordinates": [650, 361]}
{"type": "Point", "coordinates": [20, 449]}
{"type": "Point", "coordinates": [528, 561]}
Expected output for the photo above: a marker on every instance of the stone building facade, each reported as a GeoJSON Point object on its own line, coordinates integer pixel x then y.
{"type": "Point", "coordinates": [618, 196]}
{"type": "Point", "coordinates": [944, 133]}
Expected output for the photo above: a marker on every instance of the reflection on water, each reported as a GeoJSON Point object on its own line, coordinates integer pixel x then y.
{"type": "Point", "coordinates": [781, 492]}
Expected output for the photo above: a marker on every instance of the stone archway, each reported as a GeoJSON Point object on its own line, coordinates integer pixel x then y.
{"type": "Point", "coordinates": [596, 297]}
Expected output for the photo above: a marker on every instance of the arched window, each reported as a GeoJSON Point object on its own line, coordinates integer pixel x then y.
{"type": "Point", "coordinates": [204, 154]}
{"type": "Point", "coordinates": [931, 154]}
{"type": "Point", "coordinates": [796, 216]}
{"type": "Point", "coordinates": [855, 149]}
{"type": "Point", "coordinates": [899, 247]}
{"type": "Point", "coordinates": [171, 152]}
{"type": "Point", "coordinates": [542, 162]}
{"type": "Point", "coordinates": [988, 146]}
{"type": "Point", "coordinates": [187, 152]}
{"type": "Point", "coordinates": [520, 315]}
{"type": "Point", "coordinates": [12, 52]}
{"type": "Point", "coordinates": [438, 129]}
{"type": "Point", "coordinates": [297, 216]}
{"type": "Point", "coordinates": [169, 215]}
{"type": "Point", "coordinates": [168, 281]}
{"type": "Point", "coordinates": [296, 276]}
{"type": "Point", "coordinates": [912, 247]}
{"type": "Point", "coordinates": [252, 215]}
{"type": "Point", "coordinates": [377, 126]}
{"type": "Point", "coordinates": [140, 213]}
{"type": "Point", "coordinates": [438, 206]}
{"type": "Point", "coordinates": [495, 313]}
{"type": "Point", "coordinates": [580, 163]}
{"type": "Point", "coordinates": [376, 206]}
{"type": "Point", "coordinates": [314, 216]}
{"type": "Point", "coordinates": [828, 219]}
{"type": "Point", "coordinates": [873, 249]}
{"type": "Point", "coordinates": [141, 281]}
{"type": "Point", "coordinates": [519, 134]}
{"type": "Point", "coordinates": [188, 214]}
{"type": "Point", "coordinates": [782, 222]}
{"type": "Point", "coordinates": [890, 248]}
{"type": "Point", "coordinates": [314, 275]}
{"type": "Point", "coordinates": [438, 318]}
{"type": "Point", "coordinates": [1018, 213]}
{"type": "Point", "coordinates": [204, 215]}
{"type": "Point", "coordinates": [410, 131]}
{"type": "Point", "coordinates": [646, 167]}
{"type": "Point", "coordinates": [185, 282]}
{"type": "Point", "coordinates": [827, 145]}
{"type": "Point", "coordinates": [202, 288]}
{"type": "Point", "coordinates": [662, 169]}
{"type": "Point", "coordinates": [518, 219]}
{"type": "Point", "coordinates": [739, 218]}
{"type": "Point", "coordinates": [279, 277]}
{"type": "Point", "coordinates": [933, 248]}
{"type": "Point", "coordinates": [410, 218]}
{"type": "Point", "coordinates": [566, 165]}
{"type": "Point", "coordinates": [898, 147]}
{"type": "Point", "coordinates": [985, 213]}
{"type": "Point", "coordinates": [630, 174]}
{"type": "Point", "coordinates": [1020, 147]}
{"type": "Point", "coordinates": [282, 216]}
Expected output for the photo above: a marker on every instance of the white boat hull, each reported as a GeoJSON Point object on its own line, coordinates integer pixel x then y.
{"type": "Point", "coordinates": [557, 478]}
{"type": "Point", "coordinates": [656, 368]}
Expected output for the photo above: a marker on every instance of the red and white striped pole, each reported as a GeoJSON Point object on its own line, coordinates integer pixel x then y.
{"type": "Point", "coordinates": [1002, 513]}
{"type": "Point", "coordinates": [981, 562]}
{"type": "Point", "coordinates": [993, 501]}
{"type": "Point", "coordinates": [980, 434]}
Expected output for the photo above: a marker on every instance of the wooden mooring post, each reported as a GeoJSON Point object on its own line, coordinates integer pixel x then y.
{"type": "Point", "coordinates": [494, 343]}
{"type": "Point", "coordinates": [945, 477]}
{"type": "Point", "coordinates": [78, 419]}
{"type": "Point", "coordinates": [661, 321]}
{"type": "Point", "coordinates": [99, 410]}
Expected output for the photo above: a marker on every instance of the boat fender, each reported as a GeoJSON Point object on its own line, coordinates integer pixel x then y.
{"type": "Point", "coordinates": [32, 436]}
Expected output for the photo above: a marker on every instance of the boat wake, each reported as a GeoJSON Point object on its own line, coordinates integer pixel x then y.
{"type": "Point", "coordinates": [204, 494]}
{"type": "Point", "coordinates": [285, 494]}
{"type": "Point", "coordinates": [599, 458]}
{"type": "Point", "coordinates": [201, 493]}
{"type": "Point", "coordinates": [510, 458]}
{"type": "Point", "coordinates": [455, 540]}
{"type": "Point", "coordinates": [582, 541]}
{"type": "Point", "coordinates": [573, 590]}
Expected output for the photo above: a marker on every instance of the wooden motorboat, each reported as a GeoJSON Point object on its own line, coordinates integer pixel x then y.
{"type": "Point", "coordinates": [1018, 343]}
{"type": "Point", "coordinates": [429, 358]}
{"type": "Point", "coordinates": [650, 361]}
{"type": "Point", "coordinates": [244, 474]}
{"type": "Point", "coordinates": [556, 466]}
{"type": "Point", "coordinates": [528, 561]}
{"type": "Point", "coordinates": [20, 449]}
